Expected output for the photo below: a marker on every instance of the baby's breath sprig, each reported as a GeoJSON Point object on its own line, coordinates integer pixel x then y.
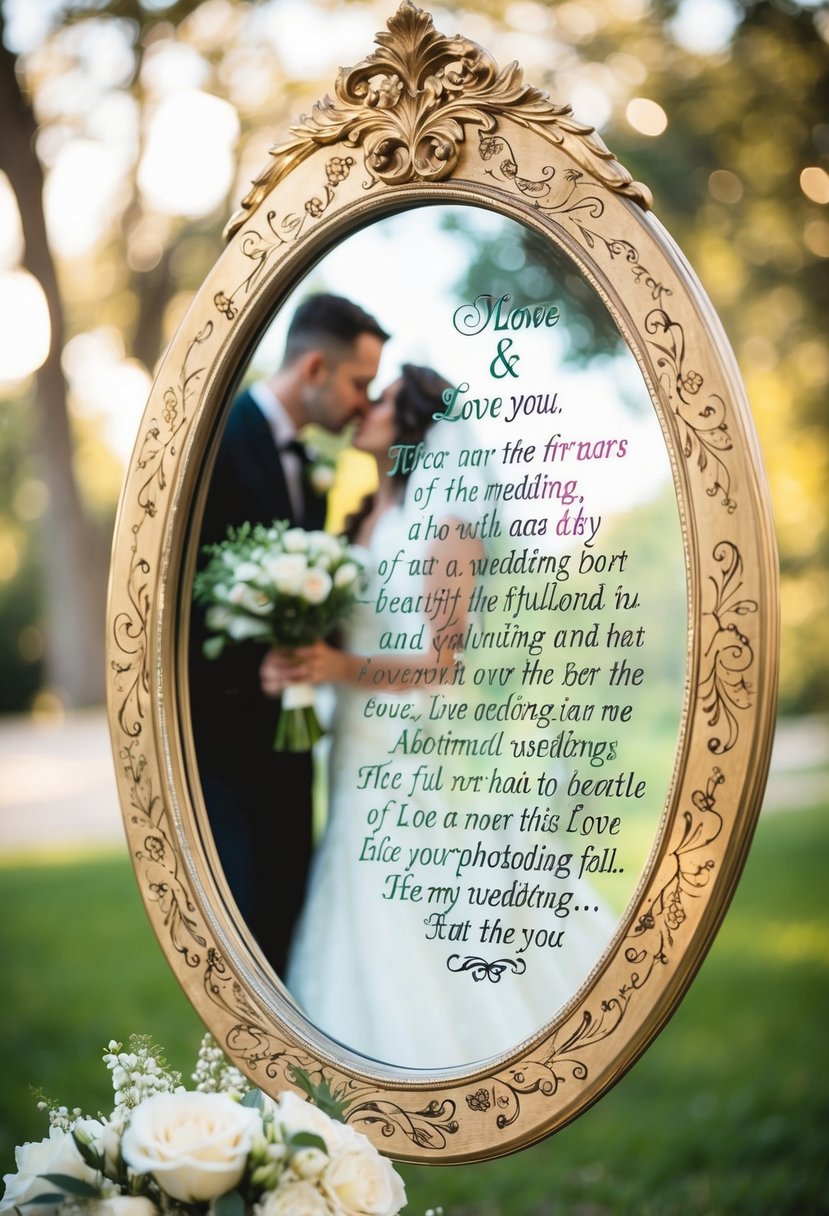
{"type": "Point", "coordinates": [214, 1073]}
{"type": "Point", "coordinates": [58, 1116]}
{"type": "Point", "coordinates": [138, 1073]}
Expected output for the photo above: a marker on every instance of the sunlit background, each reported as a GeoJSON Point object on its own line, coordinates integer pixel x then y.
{"type": "Point", "coordinates": [130, 131]}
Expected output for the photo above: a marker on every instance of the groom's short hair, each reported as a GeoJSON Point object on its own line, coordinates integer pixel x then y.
{"type": "Point", "coordinates": [330, 323]}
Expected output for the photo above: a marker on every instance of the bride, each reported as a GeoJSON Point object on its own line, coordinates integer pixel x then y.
{"type": "Point", "coordinates": [398, 957]}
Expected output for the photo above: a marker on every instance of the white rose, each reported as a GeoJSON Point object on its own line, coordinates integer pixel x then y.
{"type": "Point", "coordinates": [251, 600]}
{"type": "Point", "coordinates": [246, 572]}
{"type": "Point", "coordinates": [345, 574]}
{"type": "Point", "coordinates": [316, 586]}
{"type": "Point", "coordinates": [286, 572]}
{"type": "Point", "coordinates": [125, 1205]}
{"type": "Point", "coordinates": [295, 540]}
{"type": "Point", "coordinates": [363, 1183]}
{"type": "Point", "coordinates": [293, 1114]}
{"type": "Point", "coordinates": [195, 1145]}
{"type": "Point", "coordinates": [298, 1198]}
{"type": "Point", "coordinates": [58, 1154]}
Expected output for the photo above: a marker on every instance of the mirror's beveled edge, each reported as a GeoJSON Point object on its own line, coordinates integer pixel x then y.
{"type": "Point", "coordinates": [721, 777]}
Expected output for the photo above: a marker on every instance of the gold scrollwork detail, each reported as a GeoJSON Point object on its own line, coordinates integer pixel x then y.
{"type": "Point", "coordinates": [704, 431]}
{"type": "Point", "coordinates": [566, 197]}
{"type": "Point", "coordinates": [155, 855]}
{"type": "Point", "coordinates": [408, 106]}
{"type": "Point", "coordinates": [724, 690]}
{"type": "Point", "coordinates": [543, 192]}
{"type": "Point", "coordinates": [427, 1127]}
{"type": "Point", "coordinates": [258, 245]}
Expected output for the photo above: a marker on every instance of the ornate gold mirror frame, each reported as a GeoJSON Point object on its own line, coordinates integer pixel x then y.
{"type": "Point", "coordinates": [428, 119]}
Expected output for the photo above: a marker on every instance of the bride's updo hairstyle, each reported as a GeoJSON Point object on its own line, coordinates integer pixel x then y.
{"type": "Point", "coordinates": [419, 398]}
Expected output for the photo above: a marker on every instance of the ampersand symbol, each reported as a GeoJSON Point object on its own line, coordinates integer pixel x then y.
{"type": "Point", "coordinates": [502, 360]}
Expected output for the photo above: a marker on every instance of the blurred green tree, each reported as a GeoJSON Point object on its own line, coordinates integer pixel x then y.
{"type": "Point", "coordinates": [103, 70]}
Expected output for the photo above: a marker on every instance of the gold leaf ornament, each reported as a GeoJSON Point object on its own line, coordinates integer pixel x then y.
{"type": "Point", "coordinates": [409, 103]}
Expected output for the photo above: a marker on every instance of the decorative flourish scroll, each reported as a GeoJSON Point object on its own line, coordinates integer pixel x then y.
{"type": "Point", "coordinates": [408, 106]}
{"type": "Point", "coordinates": [724, 690]}
{"type": "Point", "coordinates": [156, 856]}
{"type": "Point", "coordinates": [427, 1127]}
{"type": "Point", "coordinates": [563, 194]}
{"type": "Point", "coordinates": [159, 447]}
{"type": "Point", "coordinates": [480, 969]}
{"type": "Point", "coordinates": [258, 244]}
{"type": "Point", "coordinates": [703, 428]}
{"type": "Point", "coordinates": [571, 197]}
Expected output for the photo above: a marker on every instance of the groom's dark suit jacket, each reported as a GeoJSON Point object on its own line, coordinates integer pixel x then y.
{"type": "Point", "coordinates": [258, 801]}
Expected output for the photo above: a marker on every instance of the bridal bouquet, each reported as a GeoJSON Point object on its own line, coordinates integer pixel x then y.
{"type": "Point", "coordinates": [223, 1149]}
{"type": "Point", "coordinates": [283, 586]}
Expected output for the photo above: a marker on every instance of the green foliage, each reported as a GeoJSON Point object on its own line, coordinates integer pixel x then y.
{"type": "Point", "coordinates": [331, 1102]}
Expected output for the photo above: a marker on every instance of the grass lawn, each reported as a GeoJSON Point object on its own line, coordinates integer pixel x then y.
{"type": "Point", "coordinates": [727, 1114]}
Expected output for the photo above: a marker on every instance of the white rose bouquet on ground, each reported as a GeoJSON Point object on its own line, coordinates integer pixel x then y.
{"type": "Point", "coordinates": [223, 1149]}
{"type": "Point", "coordinates": [283, 586]}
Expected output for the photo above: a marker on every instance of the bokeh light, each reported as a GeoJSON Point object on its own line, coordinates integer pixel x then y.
{"type": "Point", "coordinates": [24, 344]}
{"type": "Point", "coordinates": [814, 182]}
{"type": "Point", "coordinates": [188, 164]}
{"type": "Point", "coordinates": [646, 116]}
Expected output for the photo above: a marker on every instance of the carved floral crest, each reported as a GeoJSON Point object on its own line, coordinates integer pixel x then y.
{"type": "Point", "coordinates": [409, 104]}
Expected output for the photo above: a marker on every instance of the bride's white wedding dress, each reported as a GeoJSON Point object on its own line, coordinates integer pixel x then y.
{"type": "Point", "coordinates": [396, 956]}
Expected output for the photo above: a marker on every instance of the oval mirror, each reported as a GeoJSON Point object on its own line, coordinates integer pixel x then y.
{"type": "Point", "coordinates": [467, 879]}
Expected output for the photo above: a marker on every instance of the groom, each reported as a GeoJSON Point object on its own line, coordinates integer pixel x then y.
{"type": "Point", "coordinates": [259, 801]}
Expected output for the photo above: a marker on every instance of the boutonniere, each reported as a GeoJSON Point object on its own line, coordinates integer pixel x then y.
{"type": "Point", "coordinates": [320, 471]}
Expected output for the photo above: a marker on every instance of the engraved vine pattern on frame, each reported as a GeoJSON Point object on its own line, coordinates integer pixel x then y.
{"type": "Point", "coordinates": [158, 859]}
{"type": "Point", "coordinates": [704, 431]}
{"type": "Point", "coordinates": [565, 198]}
{"type": "Point", "coordinates": [258, 244]}
{"type": "Point", "coordinates": [724, 689]}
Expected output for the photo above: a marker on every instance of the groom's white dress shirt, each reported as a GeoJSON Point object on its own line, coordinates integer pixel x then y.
{"type": "Point", "coordinates": [284, 432]}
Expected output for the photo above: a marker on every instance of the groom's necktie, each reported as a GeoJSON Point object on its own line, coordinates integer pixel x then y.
{"type": "Point", "coordinates": [295, 476]}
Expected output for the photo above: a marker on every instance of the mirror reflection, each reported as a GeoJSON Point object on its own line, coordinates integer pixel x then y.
{"type": "Point", "coordinates": [435, 753]}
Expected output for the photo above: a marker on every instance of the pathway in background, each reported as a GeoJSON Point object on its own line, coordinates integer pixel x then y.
{"type": "Point", "coordinates": [57, 780]}
{"type": "Point", "coordinates": [57, 784]}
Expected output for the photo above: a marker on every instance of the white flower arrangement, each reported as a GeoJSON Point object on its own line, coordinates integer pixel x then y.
{"type": "Point", "coordinates": [223, 1149]}
{"type": "Point", "coordinates": [283, 586]}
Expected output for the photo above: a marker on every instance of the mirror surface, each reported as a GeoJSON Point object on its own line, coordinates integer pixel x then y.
{"type": "Point", "coordinates": [491, 786]}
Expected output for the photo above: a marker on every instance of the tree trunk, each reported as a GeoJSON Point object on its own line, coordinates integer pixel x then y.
{"type": "Point", "coordinates": [73, 550]}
